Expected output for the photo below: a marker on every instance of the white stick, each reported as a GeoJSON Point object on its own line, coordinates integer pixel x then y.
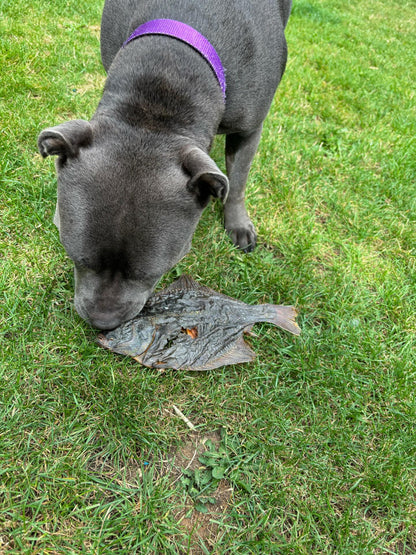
{"type": "Point", "coordinates": [186, 420]}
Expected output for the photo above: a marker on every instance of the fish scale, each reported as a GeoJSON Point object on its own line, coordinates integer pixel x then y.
{"type": "Point", "coordinates": [188, 326]}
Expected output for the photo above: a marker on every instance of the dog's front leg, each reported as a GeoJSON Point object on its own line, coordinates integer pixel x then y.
{"type": "Point", "coordinates": [240, 149]}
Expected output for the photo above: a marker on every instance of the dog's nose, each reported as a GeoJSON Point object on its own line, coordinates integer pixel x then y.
{"type": "Point", "coordinates": [105, 319]}
{"type": "Point", "coordinates": [104, 316]}
{"type": "Point", "coordinates": [104, 322]}
{"type": "Point", "coordinates": [109, 315]}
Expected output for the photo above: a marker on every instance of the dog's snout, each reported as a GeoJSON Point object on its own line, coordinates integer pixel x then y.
{"type": "Point", "coordinates": [108, 315]}
{"type": "Point", "coordinates": [101, 317]}
{"type": "Point", "coordinates": [104, 321]}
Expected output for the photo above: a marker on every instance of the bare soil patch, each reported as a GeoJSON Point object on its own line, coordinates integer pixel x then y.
{"type": "Point", "coordinates": [201, 529]}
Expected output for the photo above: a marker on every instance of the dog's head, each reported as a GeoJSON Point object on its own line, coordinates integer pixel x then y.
{"type": "Point", "coordinates": [128, 204]}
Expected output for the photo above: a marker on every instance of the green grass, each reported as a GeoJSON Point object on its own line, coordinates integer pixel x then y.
{"type": "Point", "coordinates": [318, 439]}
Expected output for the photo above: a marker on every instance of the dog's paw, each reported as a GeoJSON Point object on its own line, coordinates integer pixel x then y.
{"type": "Point", "coordinates": [244, 238]}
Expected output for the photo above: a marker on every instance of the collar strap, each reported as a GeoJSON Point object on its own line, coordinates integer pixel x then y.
{"type": "Point", "coordinates": [186, 34]}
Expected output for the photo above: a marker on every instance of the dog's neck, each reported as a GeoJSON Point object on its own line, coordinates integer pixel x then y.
{"type": "Point", "coordinates": [163, 85]}
{"type": "Point", "coordinates": [188, 35]}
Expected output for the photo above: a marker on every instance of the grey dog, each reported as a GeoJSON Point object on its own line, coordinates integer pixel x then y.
{"type": "Point", "coordinates": [133, 181]}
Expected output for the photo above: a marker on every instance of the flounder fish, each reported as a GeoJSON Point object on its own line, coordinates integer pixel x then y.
{"type": "Point", "coordinates": [188, 326]}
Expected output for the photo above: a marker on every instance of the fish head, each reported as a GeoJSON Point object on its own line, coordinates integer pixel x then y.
{"type": "Point", "coordinates": [131, 338]}
{"type": "Point", "coordinates": [128, 204]}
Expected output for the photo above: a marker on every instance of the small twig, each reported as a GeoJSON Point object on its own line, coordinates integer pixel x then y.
{"type": "Point", "coordinates": [181, 415]}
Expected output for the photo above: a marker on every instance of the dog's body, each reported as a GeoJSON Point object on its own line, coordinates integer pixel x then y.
{"type": "Point", "coordinates": [133, 182]}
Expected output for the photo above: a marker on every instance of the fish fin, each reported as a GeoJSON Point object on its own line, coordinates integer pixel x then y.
{"type": "Point", "coordinates": [187, 283]}
{"type": "Point", "coordinates": [247, 331]}
{"type": "Point", "coordinates": [184, 282]}
{"type": "Point", "coordinates": [284, 317]}
{"type": "Point", "coordinates": [240, 352]}
{"type": "Point", "coordinates": [161, 368]}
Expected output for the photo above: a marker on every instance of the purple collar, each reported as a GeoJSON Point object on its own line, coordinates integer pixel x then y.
{"type": "Point", "coordinates": [186, 34]}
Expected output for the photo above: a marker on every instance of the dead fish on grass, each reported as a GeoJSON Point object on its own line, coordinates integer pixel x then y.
{"type": "Point", "coordinates": [190, 327]}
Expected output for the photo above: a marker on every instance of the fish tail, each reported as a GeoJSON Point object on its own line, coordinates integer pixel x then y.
{"type": "Point", "coordinates": [282, 316]}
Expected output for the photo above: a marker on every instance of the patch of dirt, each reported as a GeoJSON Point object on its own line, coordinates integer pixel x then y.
{"type": "Point", "coordinates": [187, 455]}
{"type": "Point", "coordinates": [204, 528]}
{"type": "Point", "coordinates": [200, 531]}
{"type": "Point", "coordinates": [200, 528]}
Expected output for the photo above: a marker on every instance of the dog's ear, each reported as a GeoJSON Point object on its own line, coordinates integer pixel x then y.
{"type": "Point", "coordinates": [66, 139]}
{"type": "Point", "coordinates": [205, 177]}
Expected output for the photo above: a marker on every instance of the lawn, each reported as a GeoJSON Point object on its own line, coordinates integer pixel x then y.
{"type": "Point", "coordinates": [311, 448]}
